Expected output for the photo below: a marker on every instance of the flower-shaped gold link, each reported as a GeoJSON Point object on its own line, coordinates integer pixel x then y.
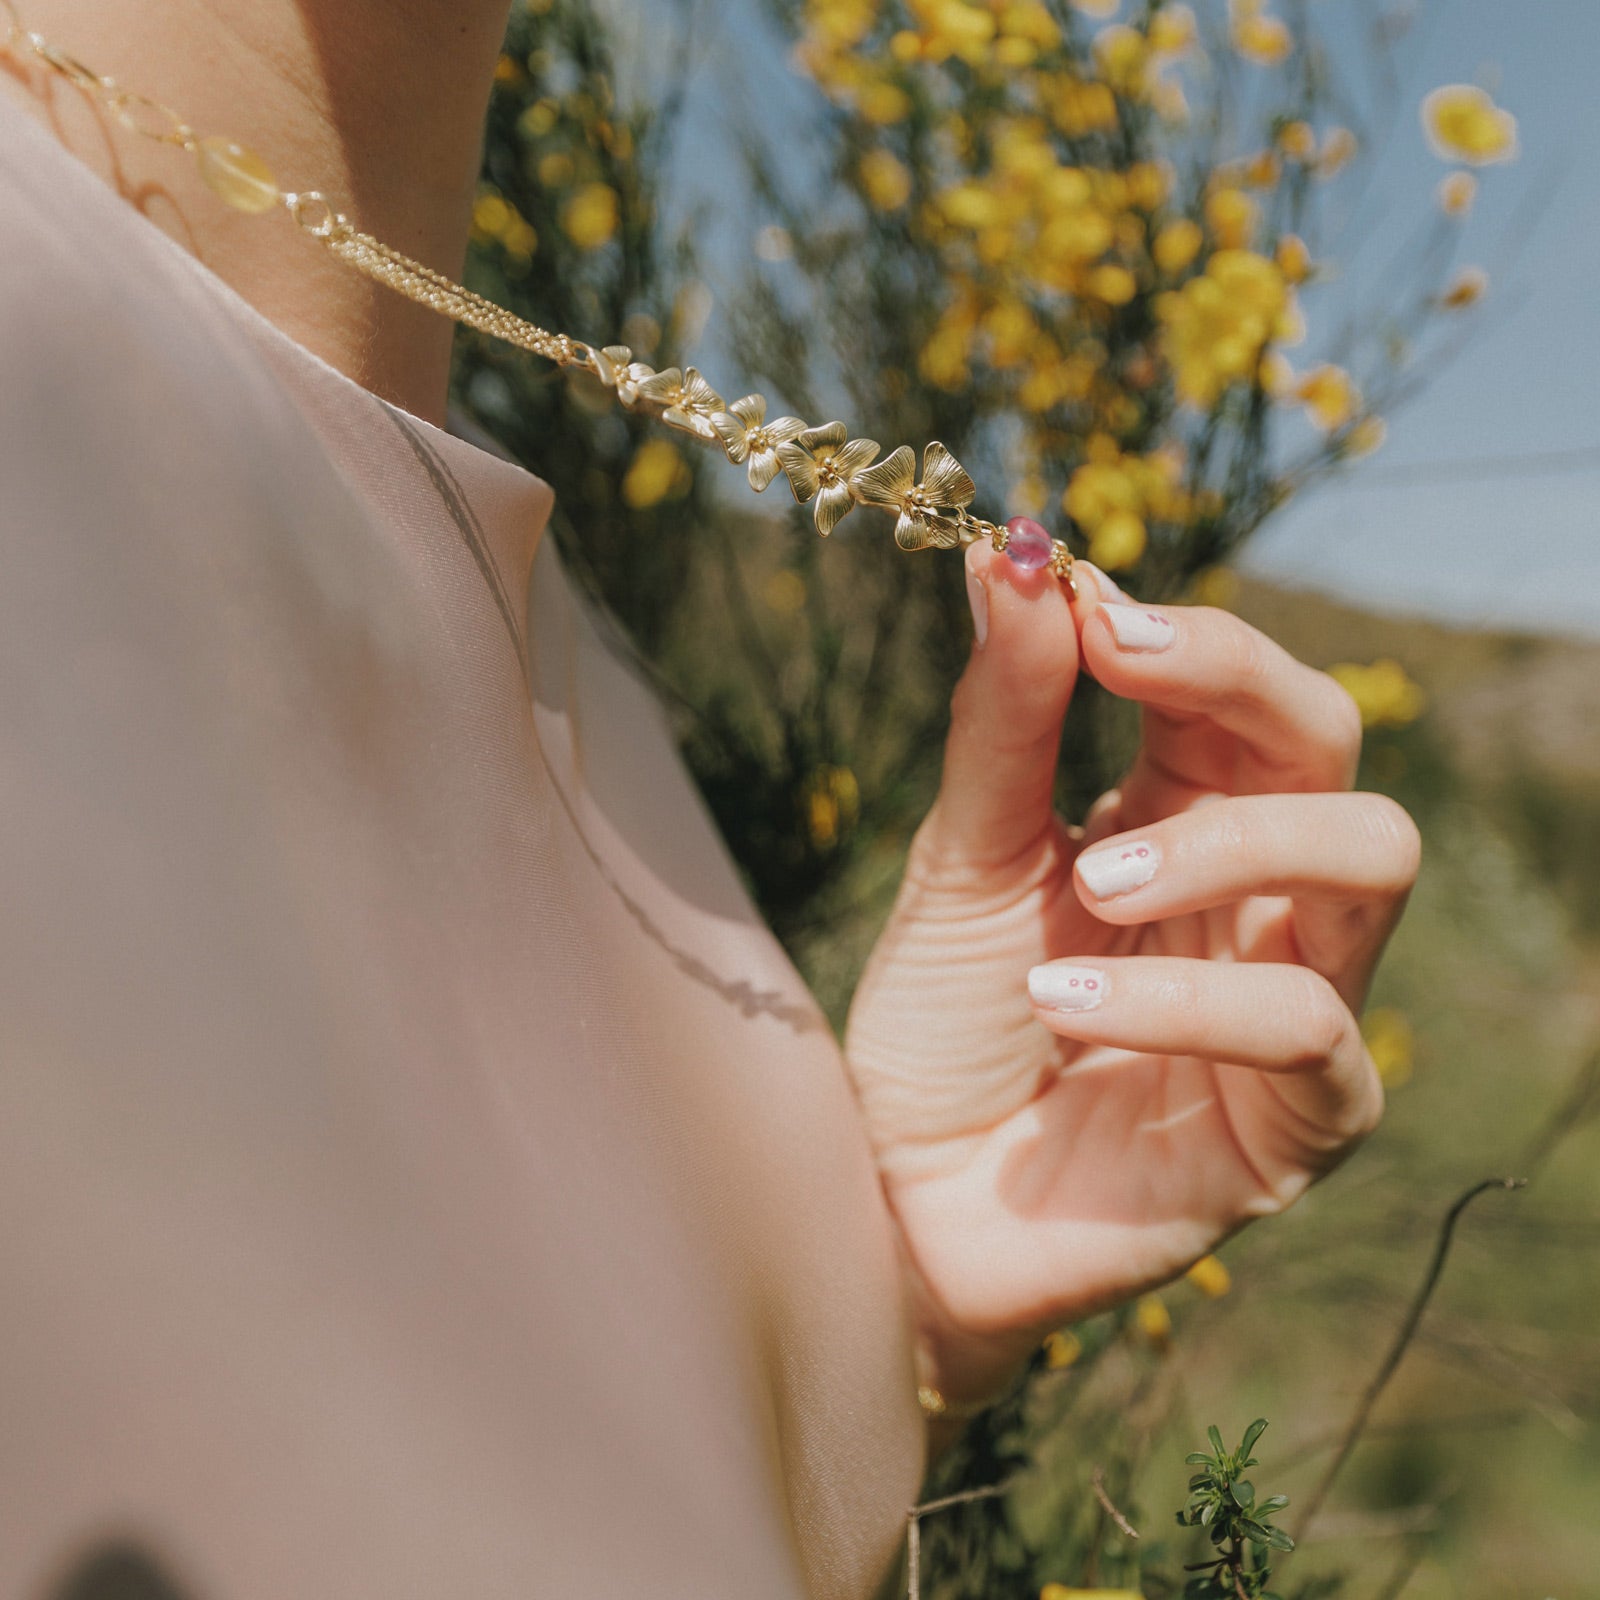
{"type": "Point", "coordinates": [747, 436]}
{"type": "Point", "coordinates": [688, 401]}
{"type": "Point", "coordinates": [922, 508]}
{"type": "Point", "coordinates": [821, 462]}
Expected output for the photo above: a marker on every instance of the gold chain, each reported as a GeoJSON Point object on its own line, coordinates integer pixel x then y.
{"type": "Point", "coordinates": [823, 465]}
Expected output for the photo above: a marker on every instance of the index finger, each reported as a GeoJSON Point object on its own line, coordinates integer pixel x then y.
{"type": "Point", "coordinates": [1227, 710]}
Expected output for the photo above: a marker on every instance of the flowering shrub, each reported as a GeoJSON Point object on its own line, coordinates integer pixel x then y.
{"type": "Point", "coordinates": [1130, 208]}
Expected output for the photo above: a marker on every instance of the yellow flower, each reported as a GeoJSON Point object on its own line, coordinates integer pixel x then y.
{"type": "Point", "coordinates": [1216, 326]}
{"type": "Point", "coordinates": [556, 169]}
{"type": "Point", "coordinates": [1217, 587]}
{"type": "Point", "coordinates": [1232, 216]}
{"type": "Point", "coordinates": [1062, 1349]}
{"type": "Point", "coordinates": [840, 24]}
{"type": "Point", "coordinates": [1079, 108]}
{"type": "Point", "coordinates": [1170, 102]}
{"type": "Point", "coordinates": [1330, 395]}
{"type": "Point", "coordinates": [1012, 333]}
{"type": "Point", "coordinates": [1029, 22]}
{"type": "Point", "coordinates": [1172, 30]}
{"type": "Point", "coordinates": [1177, 245]}
{"type": "Point", "coordinates": [886, 179]}
{"type": "Point", "coordinates": [1338, 151]}
{"type": "Point", "coordinates": [954, 28]}
{"type": "Point", "coordinates": [1059, 1591]}
{"type": "Point", "coordinates": [831, 803]}
{"type": "Point", "coordinates": [539, 118]}
{"type": "Point", "coordinates": [883, 103]}
{"type": "Point", "coordinates": [1457, 191]}
{"type": "Point", "coordinates": [1467, 289]}
{"type": "Point", "coordinates": [1113, 284]}
{"type": "Point", "coordinates": [1118, 542]}
{"type": "Point", "coordinates": [1384, 694]}
{"type": "Point", "coordinates": [1297, 140]}
{"type": "Point", "coordinates": [1123, 57]}
{"type": "Point", "coordinates": [785, 591]}
{"type": "Point", "coordinates": [1263, 170]}
{"type": "Point", "coordinates": [1275, 375]}
{"type": "Point", "coordinates": [1294, 259]}
{"type": "Point", "coordinates": [1210, 1277]}
{"type": "Point", "coordinates": [1367, 436]}
{"type": "Point", "coordinates": [591, 216]}
{"type": "Point", "coordinates": [1391, 1045]}
{"type": "Point", "coordinates": [656, 472]}
{"type": "Point", "coordinates": [490, 216]}
{"type": "Point", "coordinates": [1262, 39]}
{"type": "Point", "coordinates": [1463, 124]}
{"type": "Point", "coordinates": [1149, 183]}
{"type": "Point", "coordinates": [1153, 1320]}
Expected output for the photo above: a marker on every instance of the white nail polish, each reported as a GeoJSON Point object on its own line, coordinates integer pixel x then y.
{"type": "Point", "coordinates": [1118, 869]}
{"type": "Point", "coordinates": [978, 599]}
{"type": "Point", "coordinates": [1057, 987]}
{"type": "Point", "coordinates": [1135, 628]}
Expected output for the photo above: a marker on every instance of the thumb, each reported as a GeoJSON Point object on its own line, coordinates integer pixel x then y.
{"type": "Point", "coordinates": [997, 793]}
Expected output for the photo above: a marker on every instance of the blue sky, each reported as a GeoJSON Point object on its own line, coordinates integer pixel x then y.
{"type": "Point", "coordinates": [1451, 519]}
{"type": "Point", "coordinates": [1474, 541]}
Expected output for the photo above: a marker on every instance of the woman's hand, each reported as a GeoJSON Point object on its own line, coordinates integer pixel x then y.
{"type": "Point", "coordinates": [1189, 1057]}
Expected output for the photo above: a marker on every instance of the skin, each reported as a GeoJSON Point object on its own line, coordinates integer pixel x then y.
{"type": "Point", "coordinates": [378, 103]}
{"type": "Point", "coordinates": [1038, 1164]}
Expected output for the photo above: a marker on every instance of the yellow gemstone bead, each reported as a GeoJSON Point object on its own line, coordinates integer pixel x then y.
{"type": "Point", "coordinates": [236, 175]}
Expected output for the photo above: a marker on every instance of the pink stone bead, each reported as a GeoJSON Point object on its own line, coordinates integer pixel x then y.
{"type": "Point", "coordinates": [1027, 543]}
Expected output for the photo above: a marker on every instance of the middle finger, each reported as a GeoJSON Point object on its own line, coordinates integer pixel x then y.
{"type": "Point", "coordinates": [1346, 862]}
{"type": "Point", "coordinates": [1226, 709]}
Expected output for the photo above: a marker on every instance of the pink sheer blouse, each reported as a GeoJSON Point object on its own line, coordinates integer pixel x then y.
{"type": "Point", "coordinates": [420, 1172]}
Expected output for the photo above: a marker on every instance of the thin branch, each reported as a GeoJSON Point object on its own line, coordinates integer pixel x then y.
{"type": "Point", "coordinates": [914, 1528]}
{"type": "Point", "coordinates": [1099, 1482]}
{"type": "Point", "coordinates": [1397, 1351]}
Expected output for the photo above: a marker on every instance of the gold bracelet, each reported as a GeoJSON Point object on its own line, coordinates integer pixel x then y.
{"type": "Point", "coordinates": [823, 464]}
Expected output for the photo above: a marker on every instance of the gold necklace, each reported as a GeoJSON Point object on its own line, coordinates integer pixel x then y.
{"type": "Point", "coordinates": [823, 465]}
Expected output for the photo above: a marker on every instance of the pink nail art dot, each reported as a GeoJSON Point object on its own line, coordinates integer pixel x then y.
{"type": "Point", "coordinates": [1072, 983]}
{"type": "Point", "coordinates": [1093, 983]}
{"type": "Point", "coordinates": [1142, 852]}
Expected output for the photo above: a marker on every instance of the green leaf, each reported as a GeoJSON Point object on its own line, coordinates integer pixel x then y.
{"type": "Point", "coordinates": [1207, 1512]}
{"type": "Point", "coordinates": [1276, 1503]}
{"type": "Point", "coordinates": [1199, 1480]}
{"type": "Point", "coordinates": [1198, 1458]}
{"type": "Point", "coordinates": [1243, 1492]}
{"type": "Point", "coordinates": [1279, 1540]}
{"type": "Point", "coordinates": [1252, 1433]}
{"type": "Point", "coordinates": [1254, 1531]}
{"type": "Point", "coordinates": [1215, 1437]}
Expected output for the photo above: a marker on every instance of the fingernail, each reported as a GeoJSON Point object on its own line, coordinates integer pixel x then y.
{"type": "Point", "coordinates": [1109, 590]}
{"type": "Point", "coordinates": [1118, 869]}
{"type": "Point", "coordinates": [978, 599]}
{"type": "Point", "coordinates": [1137, 629]}
{"type": "Point", "coordinates": [1062, 988]}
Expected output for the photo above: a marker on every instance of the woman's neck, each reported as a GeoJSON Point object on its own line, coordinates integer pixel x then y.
{"type": "Point", "coordinates": [378, 103]}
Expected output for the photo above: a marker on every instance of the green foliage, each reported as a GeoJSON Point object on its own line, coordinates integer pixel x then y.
{"type": "Point", "coordinates": [1224, 1503]}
